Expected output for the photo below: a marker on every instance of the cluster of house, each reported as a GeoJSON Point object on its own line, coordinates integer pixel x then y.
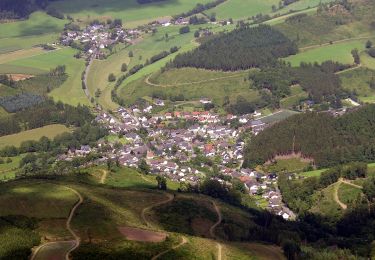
{"type": "Point", "coordinates": [97, 37]}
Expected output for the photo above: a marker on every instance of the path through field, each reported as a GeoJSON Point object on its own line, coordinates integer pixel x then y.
{"type": "Point", "coordinates": [212, 229]}
{"type": "Point", "coordinates": [143, 214]}
{"type": "Point", "coordinates": [55, 249]}
{"type": "Point", "coordinates": [336, 190]}
{"type": "Point", "coordinates": [335, 42]}
{"type": "Point", "coordinates": [148, 82]}
{"type": "Point", "coordinates": [104, 176]}
{"type": "Point", "coordinates": [184, 241]}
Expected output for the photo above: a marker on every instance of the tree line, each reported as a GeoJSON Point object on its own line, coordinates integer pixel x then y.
{"type": "Point", "coordinates": [243, 48]}
{"type": "Point", "coordinates": [20, 9]}
{"type": "Point", "coordinates": [328, 140]}
{"type": "Point", "coordinates": [43, 114]}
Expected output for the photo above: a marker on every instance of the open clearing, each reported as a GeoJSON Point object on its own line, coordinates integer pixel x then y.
{"type": "Point", "coordinates": [137, 234]}
{"type": "Point", "coordinates": [49, 131]}
{"type": "Point", "coordinates": [131, 13]}
{"type": "Point", "coordinates": [340, 52]}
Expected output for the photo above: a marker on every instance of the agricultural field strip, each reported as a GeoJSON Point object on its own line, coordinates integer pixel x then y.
{"type": "Point", "coordinates": [315, 46]}
{"type": "Point", "coordinates": [22, 54]}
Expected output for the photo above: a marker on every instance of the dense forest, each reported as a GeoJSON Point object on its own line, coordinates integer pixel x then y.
{"type": "Point", "coordinates": [148, 1]}
{"type": "Point", "coordinates": [20, 102]}
{"type": "Point", "coordinates": [326, 139]}
{"type": "Point", "coordinates": [43, 114]}
{"type": "Point", "coordinates": [243, 48]}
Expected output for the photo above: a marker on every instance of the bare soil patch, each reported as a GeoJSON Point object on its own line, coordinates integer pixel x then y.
{"type": "Point", "coordinates": [137, 234]}
{"type": "Point", "coordinates": [18, 77]}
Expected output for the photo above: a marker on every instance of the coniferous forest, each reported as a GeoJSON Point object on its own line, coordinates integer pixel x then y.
{"type": "Point", "coordinates": [327, 140]}
{"type": "Point", "coordinates": [240, 49]}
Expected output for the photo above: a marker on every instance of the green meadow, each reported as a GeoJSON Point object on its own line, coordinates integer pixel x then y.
{"type": "Point", "coordinates": [358, 80]}
{"type": "Point", "coordinates": [131, 13]}
{"type": "Point", "coordinates": [340, 52]}
{"type": "Point", "coordinates": [71, 91]}
{"type": "Point", "coordinates": [49, 131]}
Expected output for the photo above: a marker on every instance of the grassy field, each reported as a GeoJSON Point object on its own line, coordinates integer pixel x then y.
{"type": "Point", "coordinates": [277, 116]}
{"type": "Point", "coordinates": [71, 91]}
{"type": "Point", "coordinates": [20, 54]}
{"type": "Point", "coordinates": [297, 94]}
{"type": "Point", "coordinates": [39, 23]}
{"type": "Point", "coordinates": [325, 204]}
{"type": "Point", "coordinates": [288, 165]}
{"type": "Point", "coordinates": [315, 173]}
{"type": "Point", "coordinates": [98, 77]}
{"type": "Point", "coordinates": [36, 199]}
{"type": "Point", "coordinates": [131, 13]}
{"type": "Point", "coordinates": [367, 60]}
{"type": "Point", "coordinates": [49, 131]}
{"type": "Point", "coordinates": [7, 170]}
{"type": "Point", "coordinates": [358, 80]}
{"type": "Point", "coordinates": [7, 91]}
{"type": "Point", "coordinates": [348, 194]}
{"type": "Point", "coordinates": [340, 52]}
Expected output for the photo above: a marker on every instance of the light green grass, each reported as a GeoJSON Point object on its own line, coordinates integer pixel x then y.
{"type": "Point", "coordinates": [315, 173]}
{"type": "Point", "coordinates": [26, 42]}
{"type": "Point", "coordinates": [39, 200]}
{"type": "Point", "coordinates": [288, 165]}
{"type": "Point", "coordinates": [49, 131]}
{"type": "Point", "coordinates": [71, 91]}
{"type": "Point", "coordinates": [297, 94]}
{"type": "Point", "coordinates": [340, 52]}
{"type": "Point", "coordinates": [98, 77]}
{"type": "Point", "coordinates": [116, 139]}
{"type": "Point", "coordinates": [129, 11]}
{"type": "Point", "coordinates": [238, 9]}
{"type": "Point", "coordinates": [39, 23]}
{"type": "Point", "coordinates": [358, 80]}
{"type": "Point", "coordinates": [277, 116]}
{"type": "Point", "coordinates": [7, 91]}
{"type": "Point", "coordinates": [348, 194]}
{"type": "Point", "coordinates": [325, 204]}
{"type": "Point", "coordinates": [367, 60]}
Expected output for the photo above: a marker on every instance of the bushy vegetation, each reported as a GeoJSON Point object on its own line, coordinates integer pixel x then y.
{"type": "Point", "coordinates": [199, 8]}
{"type": "Point", "coordinates": [298, 194]}
{"type": "Point", "coordinates": [328, 140]}
{"type": "Point", "coordinates": [43, 114]}
{"type": "Point", "coordinates": [148, 1]}
{"type": "Point", "coordinates": [242, 48]}
{"type": "Point", "coordinates": [17, 237]}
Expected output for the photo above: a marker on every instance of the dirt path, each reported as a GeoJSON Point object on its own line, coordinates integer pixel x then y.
{"type": "Point", "coordinates": [147, 81]}
{"type": "Point", "coordinates": [336, 195]}
{"type": "Point", "coordinates": [104, 176]}
{"type": "Point", "coordinates": [77, 240]}
{"type": "Point", "coordinates": [212, 230]}
{"type": "Point", "coordinates": [336, 191]}
{"type": "Point", "coordinates": [352, 68]}
{"type": "Point", "coordinates": [143, 214]}
{"type": "Point", "coordinates": [184, 241]}
{"type": "Point", "coordinates": [335, 42]}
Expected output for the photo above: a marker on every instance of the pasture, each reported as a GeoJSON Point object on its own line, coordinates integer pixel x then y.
{"type": "Point", "coordinates": [287, 165]}
{"type": "Point", "coordinates": [97, 77]}
{"type": "Point", "coordinates": [131, 13]}
{"type": "Point", "coordinates": [49, 131]}
{"type": "Point", "coordinates": [358, 80]}
{"type": "Point", "coordinates": [340, 52]}
{"type": "Point", "coordinates": [297, 94]}
{"type": "Point", "coordinates": [70, 91]}
{"type": "Point", "coordinates": [38, 24]}
{"type": "Point", "coordinates": [277, 116]}
{"type": "Point", "coordinates": [348, 194]}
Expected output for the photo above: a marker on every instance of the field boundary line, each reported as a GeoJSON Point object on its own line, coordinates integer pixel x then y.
{"type": "Point", "coordinates": [147, 81]}
{"type": "Point", "coordinates": [335, 42]}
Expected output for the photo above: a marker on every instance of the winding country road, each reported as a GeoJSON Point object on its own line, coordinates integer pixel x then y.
{"type": "Point", "coordinates": [73, 244]}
